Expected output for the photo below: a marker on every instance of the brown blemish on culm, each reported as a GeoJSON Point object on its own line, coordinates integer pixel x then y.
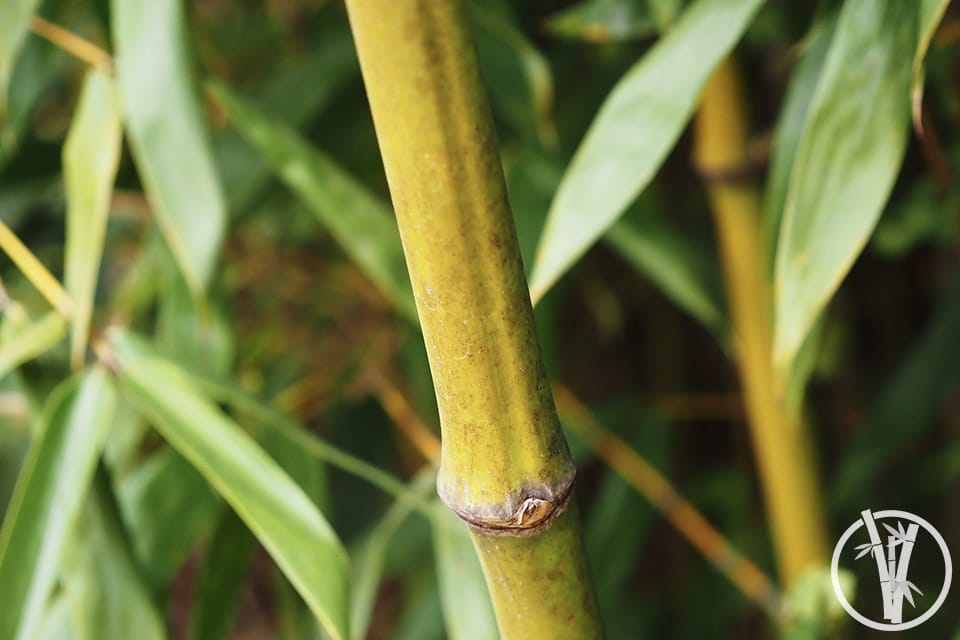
{"type": "Point", "coordinates": [536, 508]}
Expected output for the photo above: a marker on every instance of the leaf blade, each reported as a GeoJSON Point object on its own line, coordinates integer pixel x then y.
{"type": "Point", "coordinates": [167, 134]}
{"type": "Point", "coordinates": [275, 509]}
{"type": "Point", "coordinates": [467, 608]}
{"type": "Point", "coordinates": [49, 495]}
{"type": "Point", "coordinates": [847, 160]}
{"type": "Point", "coordinates": [368, 234]}
{"type": "Point", "coordinates": [91, 157]}
{"type": "Point", "coordinates": [616, 161]}
{"type": "Point", "coordinates": [32, 340]}
{"type": "Point", "coordinates": [15, 18]}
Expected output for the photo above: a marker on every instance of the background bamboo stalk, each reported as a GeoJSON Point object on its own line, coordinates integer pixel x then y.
{"type": "Point", "coordinates": [505, 467]}
{"type": "Point", "coordinates": [784, 456]}
{"type": "Point", "coordinates": [684, 517]}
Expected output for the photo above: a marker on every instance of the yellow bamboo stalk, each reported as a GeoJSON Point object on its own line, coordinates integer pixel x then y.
{"type": "Point", "coordinates": [784, 456]}
{"type": "Point", "coordinates": [505, 468]}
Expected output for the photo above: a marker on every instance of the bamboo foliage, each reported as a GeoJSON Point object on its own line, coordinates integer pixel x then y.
{"type": "Point", "coordinates": [234, 262]}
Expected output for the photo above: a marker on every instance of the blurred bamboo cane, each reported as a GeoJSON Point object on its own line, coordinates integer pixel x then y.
{"type": "Point", "coordinates": [784, 456]}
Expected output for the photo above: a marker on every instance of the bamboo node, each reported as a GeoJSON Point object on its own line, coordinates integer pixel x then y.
{"type": "Point", "coordinates": [536, 510]}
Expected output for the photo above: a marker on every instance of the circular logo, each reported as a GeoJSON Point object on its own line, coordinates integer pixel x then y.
{"type": "Point", "coordinates": [892, 557]}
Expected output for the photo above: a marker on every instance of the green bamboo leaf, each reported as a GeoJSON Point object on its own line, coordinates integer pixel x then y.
{"type": "Point", "coordinates": [15, 439]}
{"type": "Point", "coordinates": [27, 342]}
{"type": "Point", "coordinates": [167, 134]}
{"type": "Point", "coordinates": [167, 506]}
{"type": "Point", "coordinates": [49, 494]}
{"type": "Point", "coordinates": [604, 21]}
{"type": "Point", "coordinates": [297, 435]}
{"type": "Point", "coordinates": [684, 274]}
{"type": "Point", "coordinates": [790, 125]}
{"type": "Point", "coordinates": [15, 18]}
{"type": "Point", "coordinates": [229, 550]}
{"type": "Point", "coordinates": [275, 509]}
{"type": "Point", "coordinates": [517, 75]}
{"type": "Point", "coordinates": [846, 162]}
{"type": "Point", "coordinates": [294, 94]}
{"type": "Point", "coordinates": [931, 13]}
{"type": "Point", "coordinates": [108, 596]}
{"type": "Point", "coordinates": [221, 579]}
{"type": "Point", "coordinates": [467, 609]}
{"type": "Point", "coordinates": [57, 623]}
{"type": "Point", "coordinates": [36, 67]}
{"type": "Point", "coordinates": [634, 130]}
{"type": "Point", "coordinates": [91, 156]}
{"type": "Point", "coordinates": [362, 224]}
{"type": "Point", "coordinates": [665, 12]}
{"type": "Point", "coordinates": [369, 555]}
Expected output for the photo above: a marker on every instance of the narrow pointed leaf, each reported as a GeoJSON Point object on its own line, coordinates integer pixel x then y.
{"type": "Point", "coordinates": [15, 18]}
{"type": "Point", "coordinates": [49, 494]}
{"type": "Point", "coordinates": [467, 608]}
{"type": "Point", "coordinates": [846, 162]}
{"type": "Point", "coordinates": [167, 506]}
{"type": "Point", "coordinates": [167, 133]}
{"type": "Point", "coordinates": [517, 76]}
{"type": "Point", "coordinates": [32, 340]}
{"type": "Point", "coordinates": [294, 95]}
{"type": "Point", "coordinates": [108, 596]}
{"type": "Point", "coordinates": [91, 156]}
{"type": "Point", "coordinates": [275, 509]}
{"type": "Point", "coordinates": [634, 131]}
{"type": "Point", "coordinates": [864, 552]}
{"type": "Point", "coordinates": [909, 596]}
{"type": "Point", "coordinates": [931, 13]}
{"type": "Point", "coordinates": [295, 434]}
{"type": "Point", "coordinates": [37, 66]}
{"type": "Point", "coordinates": [221, 579]}
{"type": "Point", "coordinates": [57, 623]}
{"type": "Point", "coordinates": [790, 125]}
{"type": "Point", "coordinates": [604, 21]}
{"type": "Point", "coordinates": [684, 274]}
{"type": "Point", "coordinates": [362, 224]}
{"type": "Point", "coordinates": [370, 554]}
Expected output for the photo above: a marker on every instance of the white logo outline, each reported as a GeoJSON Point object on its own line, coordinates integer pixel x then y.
{"type": "Point", "coordinates": [883, 626]}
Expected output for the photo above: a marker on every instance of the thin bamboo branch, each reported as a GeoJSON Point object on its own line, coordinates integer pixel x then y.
{"type": "Point", "coordinates": [38, 275]}
{"type": "Point", "coordinates": [678, 511]}
{"type": "Point", "coordinates": [505, 468]}
{"type": "Point", "coordinates": [396, 405]}
{"type": "Point", "coordinates": [784, 456]}
{"type": "Point", "coordinates": [73, 44]}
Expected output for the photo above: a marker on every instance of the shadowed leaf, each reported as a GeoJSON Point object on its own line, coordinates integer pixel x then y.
{"type": "Point", "coordinates": [362, 224]}
{"type": "Point", "coordinates": [49, 495]}
{"type": "Point", "coordinates": [275, 509]}
{"type": "Point", "coordinates": [847, 159]}
{"type": "Point", "coordinates": [634, 131]}
{"type": "Point", "coordinates": [167, 133]}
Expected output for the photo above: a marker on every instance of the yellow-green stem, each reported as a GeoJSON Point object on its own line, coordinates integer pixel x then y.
{"type": "Point", "coordinates": [505, 468]}
{"type": "Point", "coordinates": [784, 455]}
